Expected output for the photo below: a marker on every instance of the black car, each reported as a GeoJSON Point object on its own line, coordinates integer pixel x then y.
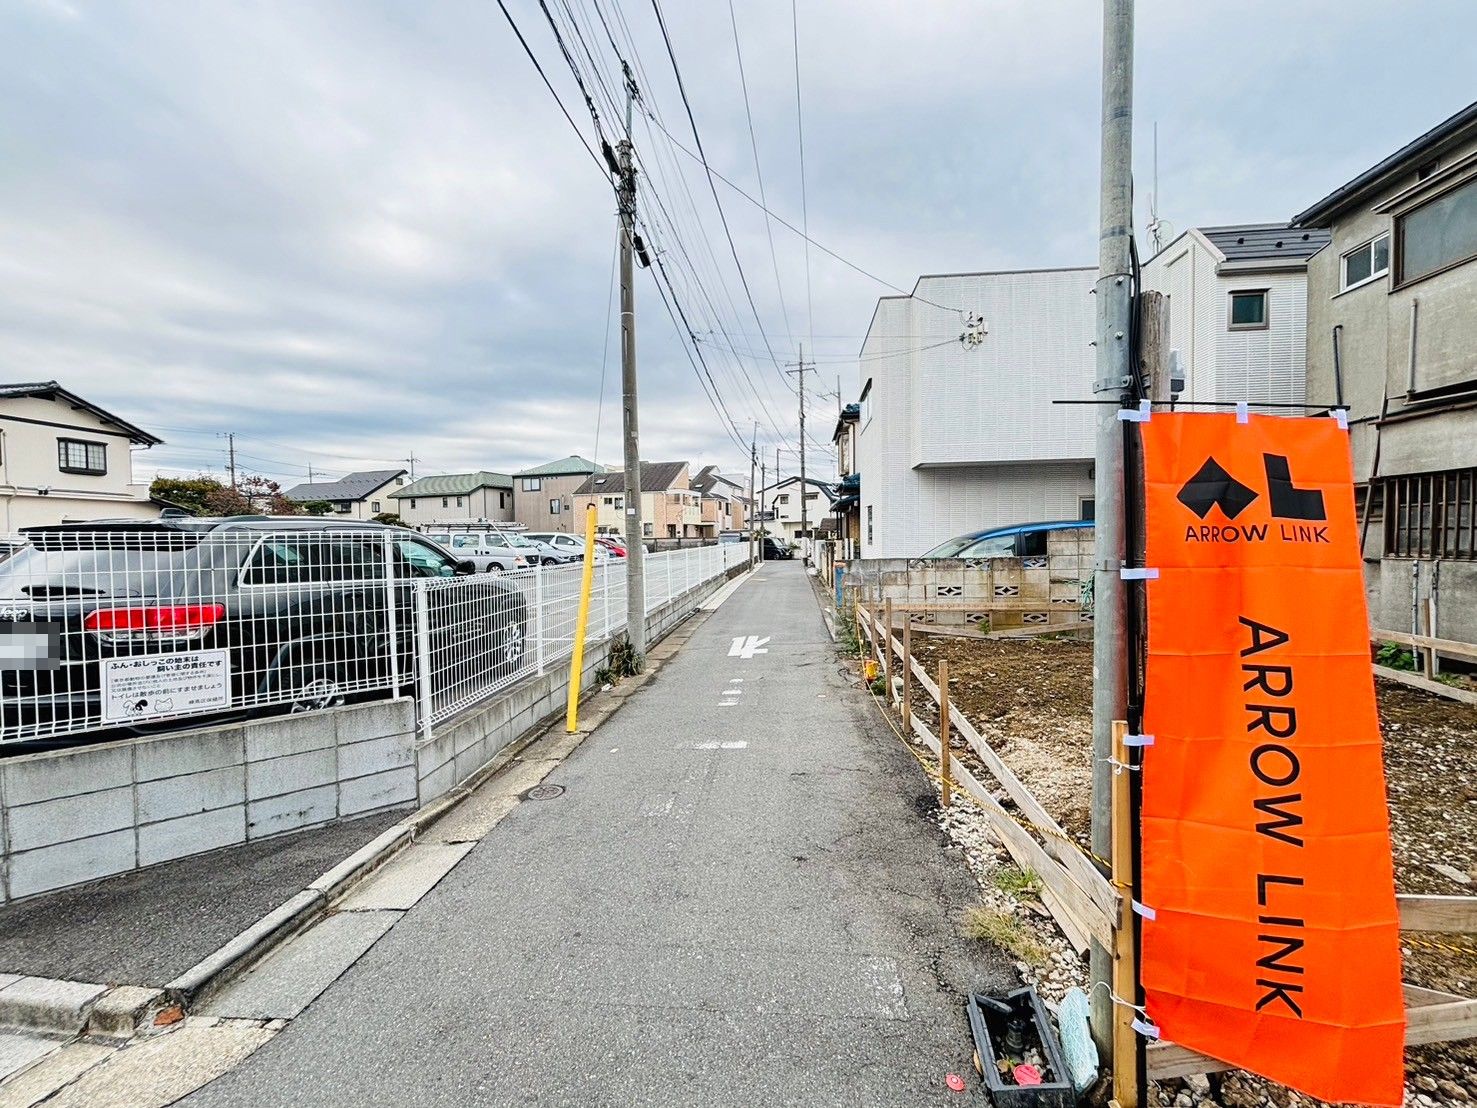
{"type": "Point", "coordinates": [776, 551]}
{"type": "Point", "coordinates": [282, 611]}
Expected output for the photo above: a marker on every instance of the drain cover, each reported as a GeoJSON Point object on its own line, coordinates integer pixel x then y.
{"type": "Point", "coordinates": [544, 792]}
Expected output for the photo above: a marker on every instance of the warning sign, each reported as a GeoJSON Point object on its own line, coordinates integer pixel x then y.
{"type": "Point", "coordinates": [1274, 943]}
{"type": "Point", "coordinates": [156, 685]}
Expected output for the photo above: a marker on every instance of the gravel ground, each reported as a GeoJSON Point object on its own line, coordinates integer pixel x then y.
{"type": "Point", "coordinates": [1032, 700]}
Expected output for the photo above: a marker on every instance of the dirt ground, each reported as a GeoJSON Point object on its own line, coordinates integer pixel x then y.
{"type": "Point", "coordinates": [1032, 700]}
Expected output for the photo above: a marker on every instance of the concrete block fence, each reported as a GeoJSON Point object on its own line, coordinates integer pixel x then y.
{"type": "Point", "coordinates": [72, 816]}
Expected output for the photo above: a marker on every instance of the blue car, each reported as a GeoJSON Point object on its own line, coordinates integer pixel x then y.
{"type": "Point", "coordinates": [1022, 540]}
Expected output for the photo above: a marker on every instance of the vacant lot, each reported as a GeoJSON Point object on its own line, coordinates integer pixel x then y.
{"type": "Point", "coordinates": [1032, 701]}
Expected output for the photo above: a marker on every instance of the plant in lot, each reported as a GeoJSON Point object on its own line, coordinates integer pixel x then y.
{"type": "Point", "coordinates": [1394, 656]}
{"type": "Point", "coordinates": [1022, 884]}
{"type": "Point", "coordinates": [879, 686]}
{"type": "Point", "coordinates": [846, 636]}
{"type": "Point", "coordinates": [1001, 929]}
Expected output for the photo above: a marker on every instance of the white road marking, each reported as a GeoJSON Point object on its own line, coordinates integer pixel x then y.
{"type": "Point", "coordinates": [719, 746]}
{"type": "Point", "coordinates": [747, 647]}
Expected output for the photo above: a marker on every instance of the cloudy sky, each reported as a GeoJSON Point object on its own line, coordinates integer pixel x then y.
{"type": "Point", "coordinates": [350, 231]}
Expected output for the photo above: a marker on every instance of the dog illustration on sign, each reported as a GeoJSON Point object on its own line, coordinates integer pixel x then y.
{"type": "Point", "coordinates": [147, 707]}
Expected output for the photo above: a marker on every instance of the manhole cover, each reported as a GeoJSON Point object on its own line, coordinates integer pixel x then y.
{"type": "Point", "coordinates": [544, 792]}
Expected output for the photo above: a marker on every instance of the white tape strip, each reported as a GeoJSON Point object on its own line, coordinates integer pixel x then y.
{"type": "Point", "coordinates": [1142, 415]}
{"type": "Point", "coordinates": [1145, 1028]}
{"type": "Point", "coordinates": [1341, 417]}
{"type": "Point", "coordinates": [1144, 910]}
{"type": "Point", "coordinates": [1243, 412]}
{"type": "Point", "coordinates": [1138, 740]}
{"type": "Point", "coordinates": [1139, 574]}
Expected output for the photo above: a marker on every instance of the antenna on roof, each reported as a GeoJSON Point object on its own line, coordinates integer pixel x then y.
{"type": "Point", "coordinates": [1159, 229]}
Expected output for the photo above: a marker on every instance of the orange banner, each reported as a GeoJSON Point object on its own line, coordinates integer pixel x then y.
{"type": "Point", "coordinates": [1271, 939]}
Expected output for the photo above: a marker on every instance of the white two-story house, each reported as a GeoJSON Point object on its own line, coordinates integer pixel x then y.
{"type": "Point", "coordinates": [65, 460]}
{"type": "Point", "coordinates": [1238, 310]}
{"type": "Point", "coordinates": [959, 429]}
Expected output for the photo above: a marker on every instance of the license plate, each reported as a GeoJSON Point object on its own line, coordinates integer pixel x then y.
{"type": "Point", "coordinates": [30, 645]}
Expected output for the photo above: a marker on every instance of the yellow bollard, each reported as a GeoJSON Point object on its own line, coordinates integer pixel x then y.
{"type": "Point", "coordinates": [577, 661]}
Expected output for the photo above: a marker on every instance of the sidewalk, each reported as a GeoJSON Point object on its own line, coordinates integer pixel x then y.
{"type": "Point", "coordinates": [734, 901]}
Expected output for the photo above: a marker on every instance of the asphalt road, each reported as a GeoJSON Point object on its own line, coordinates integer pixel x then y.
{"type": "Point", "coordinates": [736, 901]}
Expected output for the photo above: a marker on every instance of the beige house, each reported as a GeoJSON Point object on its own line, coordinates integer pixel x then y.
{"type": "Point", "coordinates": [1392, 334]}
{"type": "Point", "coordinates": [724, 502]}
{"type": "Point", "coordinates": [670, 509]}
{"type": "Point", "coordinates": [360, 495]}
{"type": "Point", "coordinates": [482, 496]}
{"type": "Point", "coordinates": [784, 502]}
{"type": "Point", "coordinates": [543, 496]}
{"type": "Point", "coordinates": [65, 460]}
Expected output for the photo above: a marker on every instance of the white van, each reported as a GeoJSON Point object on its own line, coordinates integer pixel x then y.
{"type": "Point", "coordinates": [489, 551]}
{"type": "Point", "coordinates": [569, 544]}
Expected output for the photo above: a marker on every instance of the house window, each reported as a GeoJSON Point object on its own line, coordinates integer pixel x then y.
{"type": "Point", "coordinates": [554, 507]}
{"type": "Point", "coordinates": [1086, 507]}
{"type": "Point", "coordinates": [343, 507]}
{"type": "Point", "coordinates": [532, 484]}
{"type": "Point", "coordinates": [412, 502]}
{"type": "Point", "coordinates": [374, 506]}
{"type": "Point", "coordinates": [646, 529]}
{"type": "Point", "coordinates": [869, 528]}
{"type": "Point", "coordinates": [1249, 310]}
{"type": "Point", "coordinates": [782, 498]}
{"type": "Point", "coordinates": [443, 502]}
{"type": "Point", "coordinates": [1365, 263]}
{"type": "Point", "coordinates": [502, 500]}
{"type": "Point", "coordinates": [1431, 515]}
{"type": "Point", "coordinates": [1440, 233]}
{"type": "Point", "coordinates": [458, 502]}
{"type": "Point", "coordinates": [671, 530]}
{"type": "Point", "coordinates": [79, 456]}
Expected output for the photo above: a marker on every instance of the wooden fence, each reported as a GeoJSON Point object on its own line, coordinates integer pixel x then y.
{"type": "Point", "coordinates": [1085, 904]}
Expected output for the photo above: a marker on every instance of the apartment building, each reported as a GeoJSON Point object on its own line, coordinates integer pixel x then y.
{"type": "Point", "coordinates": [479, 496]}
{"type": "Point", "coordinates": [670, 509]}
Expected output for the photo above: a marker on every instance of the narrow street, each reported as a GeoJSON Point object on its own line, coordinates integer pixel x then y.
{"type": "Point", "coordinates": [735, 901]}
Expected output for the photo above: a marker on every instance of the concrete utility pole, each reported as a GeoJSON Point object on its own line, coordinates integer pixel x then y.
{"type": "Point", "coordinates": [753, 461]}
{"type": "Point", "coordinates": [1113, 382]}
{"type": "Point", "coordinates": [231, 447]}
{"type": "Point", "coordinates": [635, 551]}
{"type": "Point", "coordinates": [763, 481]}
{"type": "Point", "coordinates": [800, 370]}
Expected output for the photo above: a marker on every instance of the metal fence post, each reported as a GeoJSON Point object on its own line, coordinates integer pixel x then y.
{"type": "Point", "coordinates": [423, 660]}
{"type": "Point", "coordinates": [605, 601]}
{"type": "Point", "coordinates": [538, 615]}
{"type": "Point", "coordinates": [392, 617]}
{"type": "Point", "coordinates": [668, 560]}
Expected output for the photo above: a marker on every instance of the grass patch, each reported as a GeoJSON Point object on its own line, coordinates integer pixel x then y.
{"type": "Point", "coordinates": [1022, 884]}
{"type": "Point", "coordinates": [1003, 930]}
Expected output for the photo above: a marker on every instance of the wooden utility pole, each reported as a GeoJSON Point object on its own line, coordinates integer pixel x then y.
{"type": "Point", "coordinates": [1127, 1048]}
{"type": "Point", "coordinates": [907, 673]}
{"type": "Point", "coordinates": [635, 551]}
{"type": "Point", "coordinates": [1153, 308]}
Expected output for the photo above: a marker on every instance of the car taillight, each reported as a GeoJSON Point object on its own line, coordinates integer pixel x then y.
{"type": "Point", "coordinates": [183, 622]}
{"type": "Point", "coordinates": [520, 560]}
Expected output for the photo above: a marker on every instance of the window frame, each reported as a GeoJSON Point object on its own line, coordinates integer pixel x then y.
{"type": "Point", "coordinates": [532, 484]}
{"type": "Point", "coordinates": [1265, 324]}
{"type": "Point", "coordinates": [1345, 285]}
{"type": "Point", "coordinates": [556, 507]}
{"type": "Point", "coordinates": [1430, 515]}
{"type": "Point", "coordinates": [1397, 260]}
{"type": "Point", "coordinates": [87, 468]}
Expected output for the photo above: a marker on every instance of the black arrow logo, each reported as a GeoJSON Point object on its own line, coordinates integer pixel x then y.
{"type": "Point", "coordinates": [1212, 485]}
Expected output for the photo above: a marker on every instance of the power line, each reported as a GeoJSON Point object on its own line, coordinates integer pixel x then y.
{"type": "Point", "coordinates": [759, 175]}
{"type": "Point", "coordinates": [604, 169]}
{"type": "Point", "coordinates": [804, 203]}
{"type": "Point", "coordinates": [822, 247]}
{"type": "Point", "coordinates": [697, 138]}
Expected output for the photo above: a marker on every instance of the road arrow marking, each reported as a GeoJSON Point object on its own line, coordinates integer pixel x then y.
{"type": "Point", "coordinates": [748, 647]}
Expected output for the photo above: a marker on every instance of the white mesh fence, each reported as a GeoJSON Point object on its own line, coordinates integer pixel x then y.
{"type": "Point", "coordinates": [142, 626]}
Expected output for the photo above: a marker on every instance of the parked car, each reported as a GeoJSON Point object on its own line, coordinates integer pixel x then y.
{"type": "Point", "coordinates": [303, 608]}
{"type": "Point", "coordinates": [489, 551]}
{"type": "Point", "coordinates": [569, 544]}
{"type": "Point", "coordinates": [777, 549]}
{"type": "Point", "coordinates": [549, 554]}
{"type": "Point", "coordinates": [1022, 540]}
{"type": "Point", "coordinates": [610, 544]}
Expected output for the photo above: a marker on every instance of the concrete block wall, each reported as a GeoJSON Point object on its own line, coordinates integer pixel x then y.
{"type": "Point", "coordinates": [68, 817]}
{"type": "Point", "coordinates": [1009, 592]}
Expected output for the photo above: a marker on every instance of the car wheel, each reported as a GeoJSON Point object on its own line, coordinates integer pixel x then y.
{"type": "Point", "coordinates": [319, 689]}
